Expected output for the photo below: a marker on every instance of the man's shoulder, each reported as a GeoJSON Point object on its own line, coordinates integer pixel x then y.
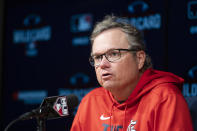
{"type": "Point", "coordinates": [166, 89]}
{"type": "Point", "coordinates": [163, 93]}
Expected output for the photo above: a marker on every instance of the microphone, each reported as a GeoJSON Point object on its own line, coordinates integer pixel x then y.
{"type": "Point", "coordinates": [53, 107]}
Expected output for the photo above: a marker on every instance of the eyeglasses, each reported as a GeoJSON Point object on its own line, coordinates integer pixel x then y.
{"type": "Point", "coordinates": [111, 55]}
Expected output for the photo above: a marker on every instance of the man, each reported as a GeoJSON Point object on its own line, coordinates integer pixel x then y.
{"type": "Point", "coordinates": [133, 96]}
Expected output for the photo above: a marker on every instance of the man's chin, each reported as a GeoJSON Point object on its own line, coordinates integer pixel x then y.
{"type": "Point", "coordinates": [108, 86]}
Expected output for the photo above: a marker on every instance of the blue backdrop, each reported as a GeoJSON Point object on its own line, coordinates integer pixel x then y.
{"type": "Point", "coordinates": [46, 49]}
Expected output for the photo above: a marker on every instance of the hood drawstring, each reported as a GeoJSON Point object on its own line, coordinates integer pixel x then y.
{"type": "Point", "coordinates": [124, 123]}
{"type": "Point", "coordinates": [111, 114]}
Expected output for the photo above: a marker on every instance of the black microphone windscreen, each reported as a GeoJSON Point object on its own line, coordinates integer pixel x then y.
{"type": "Point", "coordinates": [72, 101]}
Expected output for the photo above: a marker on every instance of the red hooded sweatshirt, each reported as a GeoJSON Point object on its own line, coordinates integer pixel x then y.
{"type": "Point", "coordinates": [156, 104]}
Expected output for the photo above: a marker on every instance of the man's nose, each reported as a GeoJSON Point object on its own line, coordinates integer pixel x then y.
{"type": "Point", "coordinates": [104, 62]}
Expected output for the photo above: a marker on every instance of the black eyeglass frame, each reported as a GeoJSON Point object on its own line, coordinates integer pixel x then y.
{"type": "Point", "coordinates": [91, 59]}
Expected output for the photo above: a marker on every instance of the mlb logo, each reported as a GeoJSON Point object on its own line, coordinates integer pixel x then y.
{"type": "Point", "coordinates": [81, 23]}
{"type": "Point", "coordinates": [192, 10]}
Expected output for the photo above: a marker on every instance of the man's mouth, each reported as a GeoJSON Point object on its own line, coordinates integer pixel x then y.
{"type": "Point", "coordinates": [106, 75]}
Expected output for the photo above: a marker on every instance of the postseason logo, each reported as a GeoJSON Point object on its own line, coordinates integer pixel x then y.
{"type": "Point", "coordinates": [29, 97]}
{"type": "Point", "coordinates": [142, 21]}
{"type": "Point", "coordinates": [61, 106]}
{"type": "Point", "coordinates": [31, 34]}
{"type": "Point", "coordinates": [190, 88]}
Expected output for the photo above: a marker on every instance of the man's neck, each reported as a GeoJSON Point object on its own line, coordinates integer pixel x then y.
{"type": "Point", "coordinates": [122, 93]}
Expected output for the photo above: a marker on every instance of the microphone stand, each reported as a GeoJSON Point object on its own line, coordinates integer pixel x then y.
{"type": "Point", "coordinates": [41, 124]}
{"type": "Point", "coordinates": [41, 119]}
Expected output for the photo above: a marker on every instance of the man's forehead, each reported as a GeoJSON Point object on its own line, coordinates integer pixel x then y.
{"type": "Point", "coordinates": [108, 40]}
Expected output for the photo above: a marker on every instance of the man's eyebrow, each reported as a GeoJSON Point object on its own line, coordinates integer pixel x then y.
{"type": "Point", "coordinates": [97, 54]}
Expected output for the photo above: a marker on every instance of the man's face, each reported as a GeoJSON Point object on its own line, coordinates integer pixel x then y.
{"type": "Point", "coordinates": [119, 74]}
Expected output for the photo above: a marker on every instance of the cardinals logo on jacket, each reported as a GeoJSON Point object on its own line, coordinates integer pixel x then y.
{"type": "Point", "coordinates": [131, 126]}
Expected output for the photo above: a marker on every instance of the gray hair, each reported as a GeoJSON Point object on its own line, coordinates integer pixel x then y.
{"type": "Point", "coordinates": [134, 36]}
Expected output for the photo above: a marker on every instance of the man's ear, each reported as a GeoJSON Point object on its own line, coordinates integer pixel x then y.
{"type": "Point", "coordinates": [141, 56]}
